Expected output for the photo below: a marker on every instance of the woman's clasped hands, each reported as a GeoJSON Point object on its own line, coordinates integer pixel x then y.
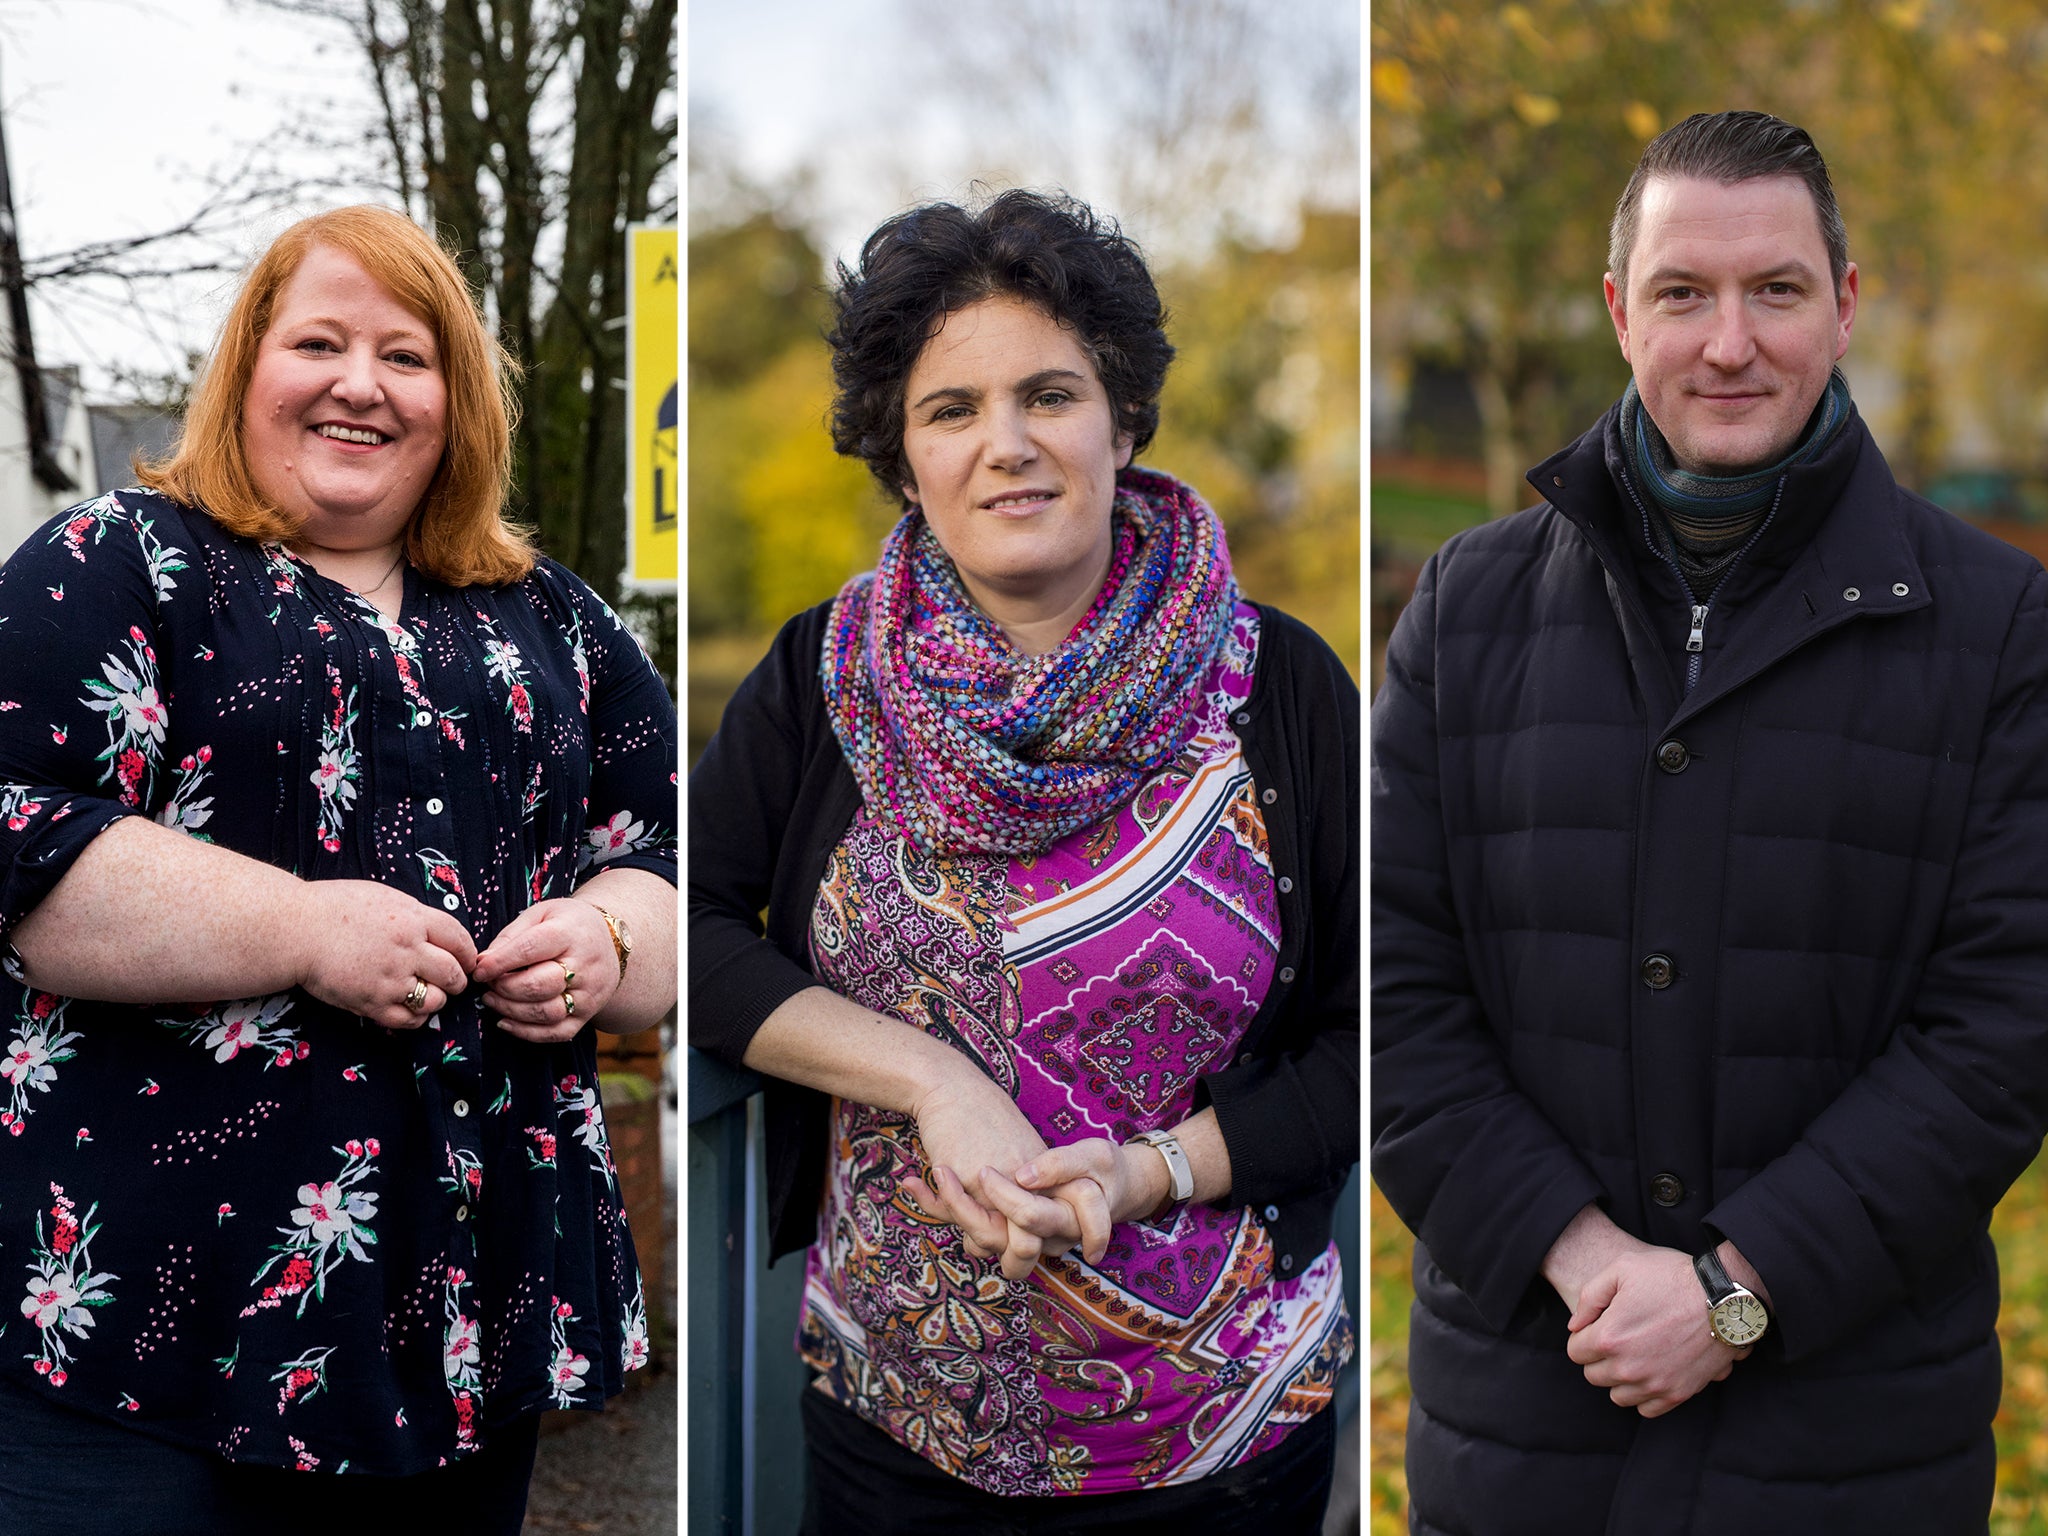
{"type": "Point", "coordinates": [1050, 1200]}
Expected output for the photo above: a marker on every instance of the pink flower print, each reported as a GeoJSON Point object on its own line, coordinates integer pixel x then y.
{"type": "Point", "coordinates": [58, 1378]}
{"type": "Point", "coordinates": [371, 1147]}
{"type": "Point", "coordinates": [58, 734]}
{"type": "Point", "coordinates": [49, 1297]}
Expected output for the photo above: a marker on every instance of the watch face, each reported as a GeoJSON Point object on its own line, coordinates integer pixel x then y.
{"type": "Point", "coordinates": [1740, 1319]}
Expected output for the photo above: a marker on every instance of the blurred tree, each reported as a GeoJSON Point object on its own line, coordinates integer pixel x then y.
{"type": "Point", "coordinates": [1503, 135]}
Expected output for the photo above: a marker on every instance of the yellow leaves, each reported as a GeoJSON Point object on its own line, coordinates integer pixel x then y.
{"type": "Point", "coordinates": [1989, 43]}
{"type": "Point", "coordinates": [1641, 120]}
{"type": "Point", "coordinates": [1906, 15]}
{"type": "Point", "coordinates": [1537, 111]}
{"type": "Point", "coordinates": [1393, 86]}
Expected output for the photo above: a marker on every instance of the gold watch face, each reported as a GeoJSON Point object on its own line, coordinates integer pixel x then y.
{"type": "Point", "coordinates": [1739, 1319]}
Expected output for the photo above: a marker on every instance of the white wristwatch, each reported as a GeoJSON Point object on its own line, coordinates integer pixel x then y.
{"type": "Point", "coordinates": [1178, 1169]}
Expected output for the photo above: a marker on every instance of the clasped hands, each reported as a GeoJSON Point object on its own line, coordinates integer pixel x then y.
{"type": "Point", "coordinates": [396, 961]}
{"type": "Point", "coordinates": [1020, 1200]}
{"type": "Point", "coordinates": [1639, 1315]}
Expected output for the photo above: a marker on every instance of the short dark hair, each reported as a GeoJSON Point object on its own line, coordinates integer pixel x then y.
{"type": "Point", "coordinates": [1729, 147]}
{"type": "Point", "coordinates": [1049, 250]}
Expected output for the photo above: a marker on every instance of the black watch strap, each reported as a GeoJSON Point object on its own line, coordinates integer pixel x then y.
{"type": "Point", "coordinates": [1714, 1276]}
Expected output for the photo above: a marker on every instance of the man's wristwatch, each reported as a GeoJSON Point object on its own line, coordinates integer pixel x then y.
{"type": "Point", "coordinates": [1178, 1169]}
{"type": "Point", "coordinates": [1735, 1314]}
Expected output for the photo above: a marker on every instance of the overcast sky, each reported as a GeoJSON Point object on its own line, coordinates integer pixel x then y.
{"type": "Point", "coordinates": [117, 113]}
{"type": "Point", "coordinates": [852, 112]}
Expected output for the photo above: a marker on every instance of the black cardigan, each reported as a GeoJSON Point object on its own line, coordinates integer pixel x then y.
{"type": "Point", "coordinates": [772, 796]}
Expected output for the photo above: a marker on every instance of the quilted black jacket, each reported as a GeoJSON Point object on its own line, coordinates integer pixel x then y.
{"type": "Point", "coordinates": [1766, 961]}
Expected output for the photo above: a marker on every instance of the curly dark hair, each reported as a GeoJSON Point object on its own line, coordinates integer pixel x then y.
{"type": "Point", "coordinates": [1050, 250]}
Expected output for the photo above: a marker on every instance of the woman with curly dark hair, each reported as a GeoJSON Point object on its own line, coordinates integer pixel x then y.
{"type": "Point", "coordinates": [1057, 988]}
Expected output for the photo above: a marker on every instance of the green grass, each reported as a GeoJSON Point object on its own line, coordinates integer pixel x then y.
{"type": "Point", "coordinates": [2020, 1229]}
{"type": "Point", "coordinates": [1417, 519]}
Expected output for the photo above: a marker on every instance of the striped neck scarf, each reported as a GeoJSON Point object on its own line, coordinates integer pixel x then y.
{"type": "Point", "coordinates": [969, 745]}
{"type": "Point", "coordinates": [1703, 521]}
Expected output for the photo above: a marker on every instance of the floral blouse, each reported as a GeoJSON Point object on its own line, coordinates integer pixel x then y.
{"type": "Point", "coordinates": [1095, 982]}
{"type": "Point", "coordinates": [263, 1226]}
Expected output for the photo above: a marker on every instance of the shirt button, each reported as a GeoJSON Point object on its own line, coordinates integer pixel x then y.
{"type": "Point", "coordinates": [462, 1213]}
{"type": "Point", "coordinates": [1285, 885]}
{"type": "Point", "coordinates": [1672, 757]}
{"type": "Point", "coordinates": [1269, 795]}
{"type": "Point", "coordinates": [1657, 972]}
{"type": "Point", "coordinates": [451, 901]}
{"type": "Point", "coordinates": [434, 807]}
{"type": "Point", "coordinates": [423, 717]}
{"type": "Point", "coordinates": [461, 1108]}
{"type": "Point", "coordinates": [1272, 1213]}
{"type": "Point", "coordinates": [1287, 973]}
{"type": "Point", "coordinates": [1286, 1263]}
{"type": "Point", "coordinates": [1667, 1189]}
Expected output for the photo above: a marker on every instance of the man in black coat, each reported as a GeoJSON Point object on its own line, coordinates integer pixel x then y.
{"type": "Point", "coordinates": [1710, 925]}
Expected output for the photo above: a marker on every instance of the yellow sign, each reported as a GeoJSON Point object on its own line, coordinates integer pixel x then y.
{"type": "Point", "coordinates": [653, 280]}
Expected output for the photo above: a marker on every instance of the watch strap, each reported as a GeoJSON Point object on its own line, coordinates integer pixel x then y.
{"type": "Point", "coordinates": [1178, 1169]}
{"type": "Point", "coordinates": [622, 939]}
{"type": "Point", "coordinates": [1714, 1276]}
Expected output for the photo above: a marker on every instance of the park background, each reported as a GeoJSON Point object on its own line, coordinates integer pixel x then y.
{"type": "Point", "coordinates": [1223, 135]}
{"type": "Point", "coordinates": [1501, 136]}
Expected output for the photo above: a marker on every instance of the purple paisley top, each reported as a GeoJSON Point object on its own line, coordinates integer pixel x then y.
{"type": "Point", "coordinates": [1096, 982]}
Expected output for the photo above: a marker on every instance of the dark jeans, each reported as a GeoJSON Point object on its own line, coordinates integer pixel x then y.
{"type": "Point", "coordinates": [62, 1470]}
{"type": "Point", "coordinates": [857, 1479]}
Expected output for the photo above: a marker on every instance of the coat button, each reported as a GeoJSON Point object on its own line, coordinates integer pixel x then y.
{"type": "Point", "coordinates": [1287, 973]}
{"type": "Point", "coordinates": [1672, 756]}
{"type": "Point", "coordinates": [1657, 972]}
{"type": "Point", "coordinates": [1285, 885]}
{"type": "Point", "coordinates": [1286, 1263]}
{"type": "Point", "coordinates": [1272, 1213]}
{"type": "Point", "coordinates": [1243, 717]}
{"type": "Point", "coordinates": [1269, 795]}
{"type": "Point", "coordinates": [1666, 1189]}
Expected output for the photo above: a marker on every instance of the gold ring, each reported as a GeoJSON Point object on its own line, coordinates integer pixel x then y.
{"type": "Point", "coordinates": [568, 1005]}
{"type": "Point", "coordinates": [416, 999]}
{"type": "Point", "coordinates": [568, 976]}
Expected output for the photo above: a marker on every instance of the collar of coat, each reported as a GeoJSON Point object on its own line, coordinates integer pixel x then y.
{"type": "Point", "coordinates": [1840, 550]}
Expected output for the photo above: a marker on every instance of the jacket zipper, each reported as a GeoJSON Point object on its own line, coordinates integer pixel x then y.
{"type": "Point", "coordinates": [1696, 611]}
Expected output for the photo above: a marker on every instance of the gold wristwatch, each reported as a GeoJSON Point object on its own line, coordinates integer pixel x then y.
{"type": "Point", "coordinates": [1735, 1314]}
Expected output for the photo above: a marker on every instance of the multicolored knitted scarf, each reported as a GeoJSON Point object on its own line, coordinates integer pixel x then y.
{"type": "Point", "coordinates": [1703, 521]}
{"type": "Point", "coordinates": [968, 744]}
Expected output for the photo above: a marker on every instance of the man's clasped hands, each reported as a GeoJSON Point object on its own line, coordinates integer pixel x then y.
{"type": "Point", "coordinates": [1639, 1314]}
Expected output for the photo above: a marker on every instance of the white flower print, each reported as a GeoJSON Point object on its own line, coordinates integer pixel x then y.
{"type": "Point", "coordinates": [187, 810]}
{"type": "Point", "coordinates": [246, 1024]}
{"type": "Point", "coordinates": [336, 774]}
{"type": "Point", "coordinates": [622, 834]}
{"type": "Point", "coordinates": [461, 1348]}
{"type": "Point", "coordinates": [136, 715]}
{"type": "Point", "coordinates": [633, 1349]}
{"type": "Point", "coordinates": [568, 1368]}
{"type": "Point", "coordinates": [329, 1225]}
{"type": "Point", "coordinates": [63, 1290]}
{"type": "Point", "coordinates": [39, 1044]}
{"type": "Point", "coordinates": [573, 1099]}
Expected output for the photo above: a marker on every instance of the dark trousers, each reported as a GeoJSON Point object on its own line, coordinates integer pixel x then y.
{"type": "Point", "coordinates": [62, 1470]}
{"type": "Point", "coordinates": [857, 1479]}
